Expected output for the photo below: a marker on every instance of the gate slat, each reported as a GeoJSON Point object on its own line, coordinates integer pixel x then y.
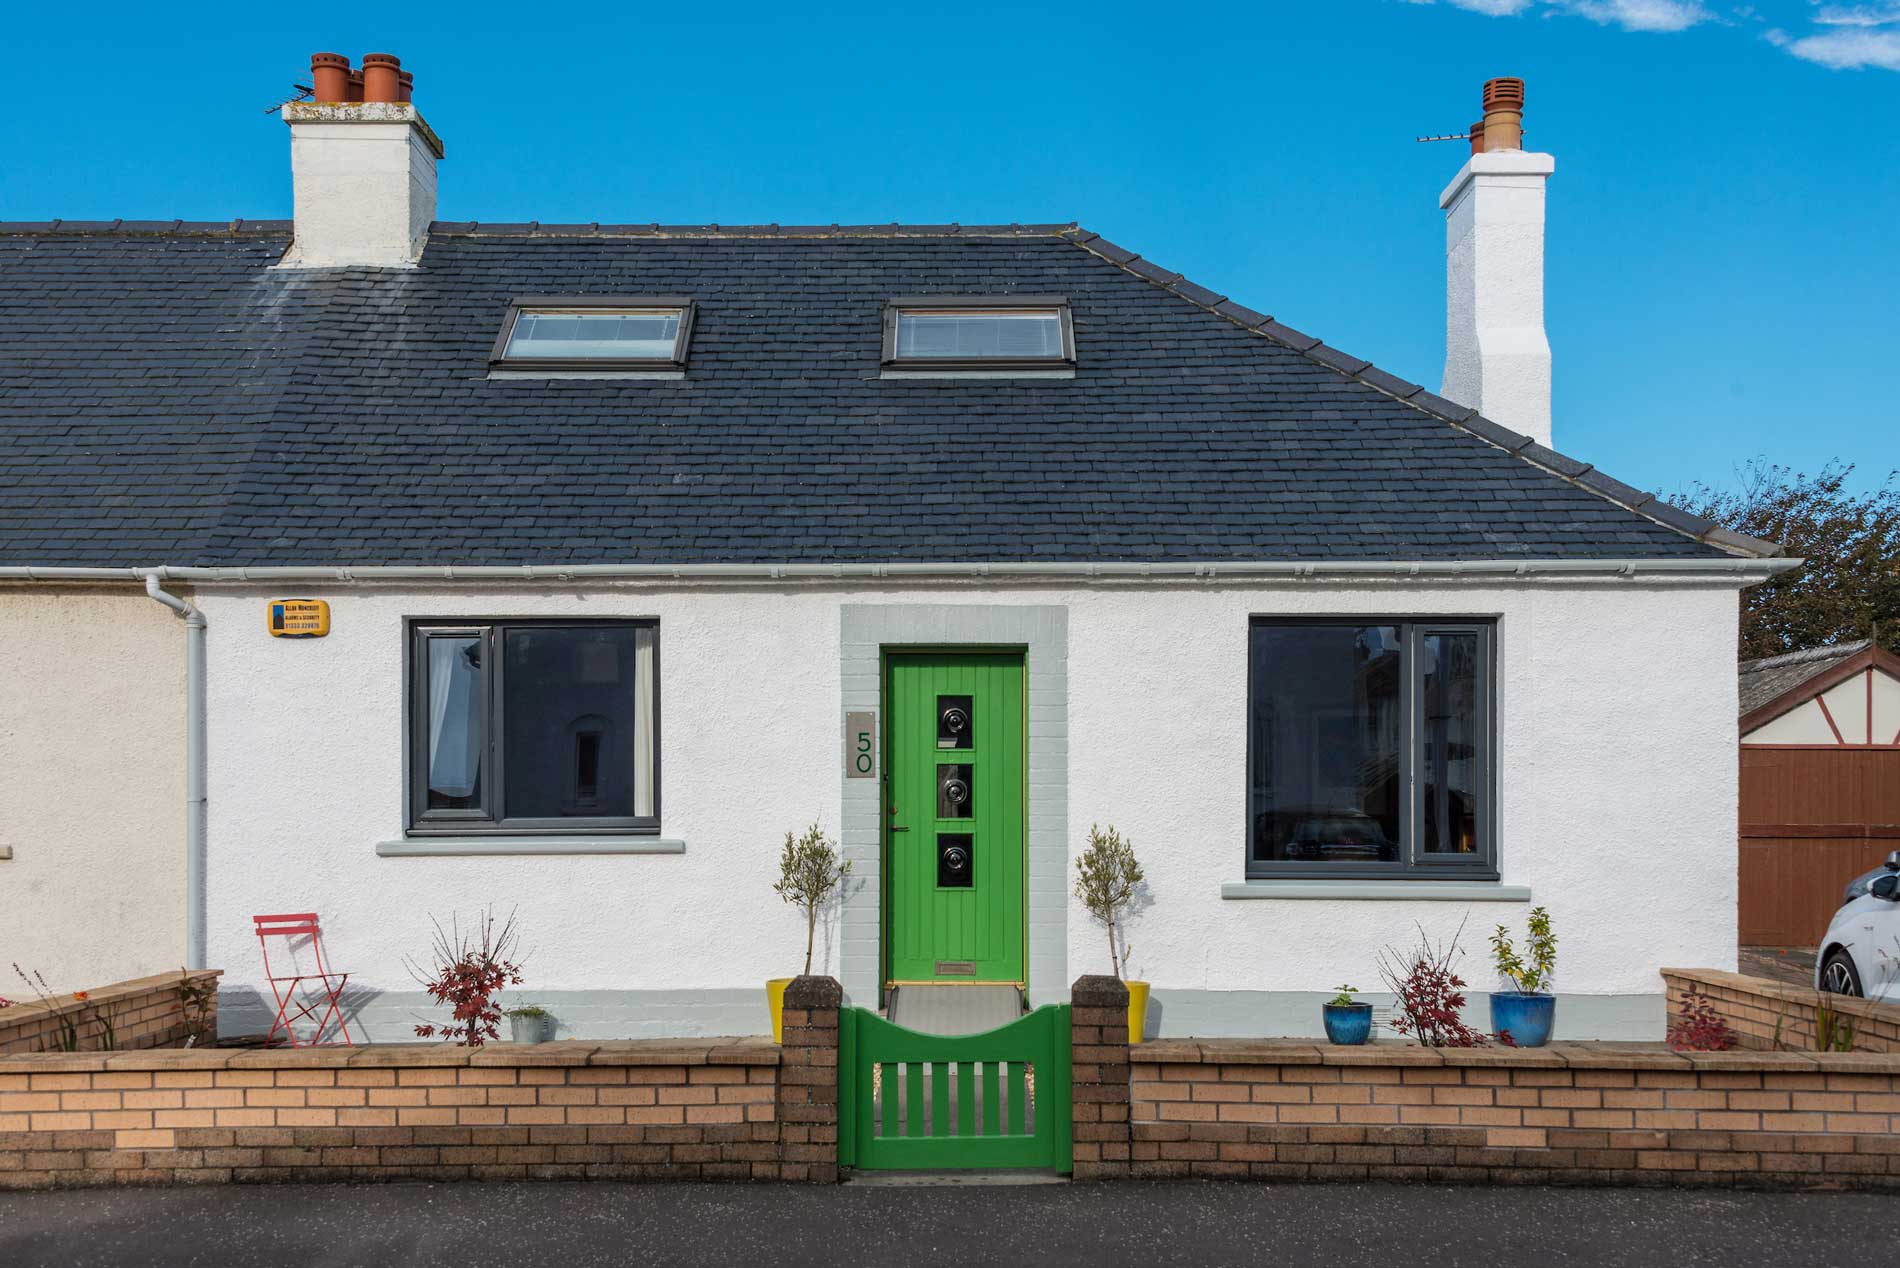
{"type": "Point", "coordinates": [939, 1098]}
{"type": "Point", "coordinates": [992, 1098]}
{"type": "Point", "coordinates": [1018, 1098]}
{"type": "Point", "coordinates": [913, 1098]}
{"type": "Point", "coordinates": [966, 1098]}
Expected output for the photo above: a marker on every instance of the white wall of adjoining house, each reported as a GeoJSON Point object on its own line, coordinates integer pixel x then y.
{"type": "Point", "coordinates": [92, 780]}
{"type": "Point", "coordinates": [1616, 743]}
{"type": "Point", "coordinates": [1886, 729]}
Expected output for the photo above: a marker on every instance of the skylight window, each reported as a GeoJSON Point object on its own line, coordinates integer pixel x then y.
{"type": "Point", "coordinates": [594, 333]}
{"type": "Point", "coordinates": [1013, 332]}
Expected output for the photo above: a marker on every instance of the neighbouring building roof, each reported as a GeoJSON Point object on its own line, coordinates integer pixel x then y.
{"type": "Point", "coordinates": [1772, 685]}
{"type": "Point", "coordinates": [167, 397]}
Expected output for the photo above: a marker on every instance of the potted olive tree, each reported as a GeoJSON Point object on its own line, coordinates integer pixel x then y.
{"type": "Point", "coordinates": [1347, 1020]}
{"type": "Point", "coordinates": [1107, 878]}
{"type": "Point", "coordinates": [810, 875]}
{"type": "Point", "coordinates": [1524, 1015]}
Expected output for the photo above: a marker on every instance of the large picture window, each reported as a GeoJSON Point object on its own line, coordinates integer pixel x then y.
{"type": "Point", "coordinates": [534, 726]}
{"type": "Point", "coordinates": [1370, 748]}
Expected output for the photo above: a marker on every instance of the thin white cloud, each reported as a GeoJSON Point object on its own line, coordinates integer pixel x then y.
{"type": "Point", "coordinates": [1640, 15]}
{"type": "Point", "coordinates": [1885, 14]}
{"type": "Point", "coordinates": [1850, 48]}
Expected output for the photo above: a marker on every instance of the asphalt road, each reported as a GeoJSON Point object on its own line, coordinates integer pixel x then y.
{"type": "Point", "coordinates": [1287, 1226]}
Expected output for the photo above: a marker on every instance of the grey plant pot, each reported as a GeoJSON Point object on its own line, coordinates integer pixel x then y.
{"type": "Point", "coordinates": [531, 1029]}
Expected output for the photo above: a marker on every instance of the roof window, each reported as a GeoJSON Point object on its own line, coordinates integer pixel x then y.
{"type": "Point", "coordinates": [1018, 332]}
{"type": "Point", "coordinates": [594, 333]}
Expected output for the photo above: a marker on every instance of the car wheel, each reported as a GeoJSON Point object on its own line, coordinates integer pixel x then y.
{"type": "Point", "coordinates": [1838, 976]}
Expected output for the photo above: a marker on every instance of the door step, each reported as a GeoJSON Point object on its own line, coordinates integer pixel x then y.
{"type": "Point", "coordinates": [956, 1009]}
{"type": "Point", "coordinates": [952, 1179]}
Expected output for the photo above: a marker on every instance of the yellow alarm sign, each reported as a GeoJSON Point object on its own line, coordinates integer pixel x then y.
{"type": "Point", "coordinates": [298, 618]}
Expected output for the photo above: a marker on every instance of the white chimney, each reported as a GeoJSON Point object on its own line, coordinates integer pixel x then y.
{"type": "Point", "coordinates": [362, 165]}
{"type": "Point", "coordinates": [1497, 360]}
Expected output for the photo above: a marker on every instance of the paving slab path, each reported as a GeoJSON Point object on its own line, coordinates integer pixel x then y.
{"type": "Point", "coordinates": [573, 1225]}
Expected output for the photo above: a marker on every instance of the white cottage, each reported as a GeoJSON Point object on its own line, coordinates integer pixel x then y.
{"type": "Point", "coordinates": [642, 544]}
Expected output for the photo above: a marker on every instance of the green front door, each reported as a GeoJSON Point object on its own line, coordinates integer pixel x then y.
{"type": "Point", "coordinates": [953, 801]}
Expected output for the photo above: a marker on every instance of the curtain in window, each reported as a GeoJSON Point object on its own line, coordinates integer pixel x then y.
{"type": "Point", "coordinates": [455, 733]}
{"type": "Point", "coordinates": [643, 721]}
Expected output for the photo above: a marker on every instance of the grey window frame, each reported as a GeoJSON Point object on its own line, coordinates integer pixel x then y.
{"type": "Point", "coordinates": [1413, 864]}
{"type": "Point", "coordinates": [976, 303]}
{"type": "Point", "coordinates": [499, 359]}
{"type": "Point", "coordinates": [489, 819]}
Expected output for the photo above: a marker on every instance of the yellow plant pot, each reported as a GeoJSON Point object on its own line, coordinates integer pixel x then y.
{"type": "Point", "coordinates": [1137, 1010]}
{"type": "Point", "coordinates": [775, 996]}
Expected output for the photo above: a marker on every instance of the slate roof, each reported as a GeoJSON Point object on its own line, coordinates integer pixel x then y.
{"type": "Point", "coordinates": [1772, 677]}
{"type": "Point", "coordinates": [166, 397]}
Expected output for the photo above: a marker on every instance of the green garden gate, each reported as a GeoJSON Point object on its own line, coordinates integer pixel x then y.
{"type": "Point", "coordinates": [909, 1101]}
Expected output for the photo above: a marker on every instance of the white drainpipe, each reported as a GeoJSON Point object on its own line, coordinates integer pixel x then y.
{"type": "Point", "coordinates": [194, 769]}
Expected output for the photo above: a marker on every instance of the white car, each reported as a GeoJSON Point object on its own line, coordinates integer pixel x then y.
{"type": "Point", "coordinates": [1860, 952]}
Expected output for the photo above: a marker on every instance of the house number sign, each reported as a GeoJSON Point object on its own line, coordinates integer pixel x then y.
{"type": "Point", "coordinates": [860, 745]}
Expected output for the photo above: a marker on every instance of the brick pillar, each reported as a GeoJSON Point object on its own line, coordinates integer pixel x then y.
{"type": "Point", "coordinates": [1098, 1037]}
{"type": "Point", "coordinates": [808, 1082]}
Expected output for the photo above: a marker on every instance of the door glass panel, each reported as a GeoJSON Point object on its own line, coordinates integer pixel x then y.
{"type": "Point", "coordinates": [956, 865]}
{"type": "Point", "coordinates": [1449, 742]}
{"type": "Point", "coordinates": [570, 721]}
{"type": "Point", "coordinates": [455, 722]}
{"type": "Point", "coordinates": [954, 726]}
{"type": "Point", "coordinates": [1326, 734]}
{"type": "Point", "coordinates": [954, 792]}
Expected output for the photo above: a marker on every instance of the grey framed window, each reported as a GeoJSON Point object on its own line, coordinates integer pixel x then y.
{"type": "Point", "coordinates": [533, 726]}
{"type": "Point", "coordinates": [1371, 748]}
{"type": "Point", "coordinates": [941, 332]}
{"type": "Point", "coordinates": [594, 332]}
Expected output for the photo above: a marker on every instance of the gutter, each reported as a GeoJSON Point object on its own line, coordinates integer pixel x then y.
{"type": "Point", "coordinates": [195, 817]}
{"type": "Point", "coordinates": [1737, 569]}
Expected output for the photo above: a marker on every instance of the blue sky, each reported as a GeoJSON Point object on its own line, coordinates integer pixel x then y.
{"type": "Point", "coordinates": [1724, 241]}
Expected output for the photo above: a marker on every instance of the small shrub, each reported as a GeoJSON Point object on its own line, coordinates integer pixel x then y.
{"type": "Point", "coordinates": [67, 1023]}
{"type": "Point", "coordinates": [470, 969]}
{"type": "Point", "coordinates": [1698, 1027]}
{"type": "Point", "coordinates": [1344, 998]}
{"type": "Point", "coordinates": [1106, 878]}
{"type": "Point", "coordinates": [1429, 993]}
{"type": "Point", "coordinates": [809, 873]}
{"type": "Point", "coordinates": [194, 1001]}
{"type": "Point", "coordinates": [1832, 1032]}
{"type": "Point", "coordinates": [1535, 974]}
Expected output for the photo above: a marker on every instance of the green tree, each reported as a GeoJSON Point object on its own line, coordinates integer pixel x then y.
{"type": "Point", "coordinates": [1848, 589]}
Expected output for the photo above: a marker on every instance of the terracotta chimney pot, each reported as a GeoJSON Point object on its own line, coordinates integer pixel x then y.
{"type": "Point", "coordinates": [330, 73]}
{"type": "Point", "coordinates": [408, 86]}
{"type": "Point", "coordinates": [1503, 114]}
{"type": "Point", "coordinates": [382, 78]}
{"type": "Point", "coordinates": [1477, 137]}
{"type": "Point", "coordinates": [356, 85]}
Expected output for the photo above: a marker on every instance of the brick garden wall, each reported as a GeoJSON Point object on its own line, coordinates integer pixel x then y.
{"type": "Point", "coordinates": [1566, 1114]}
{"type": "Point", "coordinates": [1753, 1006]}
{"type": "Point", "coordinates": [649, 1110]}
{"type": "Point", "coordinates": [145, 1012]}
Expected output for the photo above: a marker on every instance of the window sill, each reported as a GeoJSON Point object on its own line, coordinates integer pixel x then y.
{"type": "Point", "coordinates": [483, 847]}
{"type": "Point", "coordinates": [1371, 890]}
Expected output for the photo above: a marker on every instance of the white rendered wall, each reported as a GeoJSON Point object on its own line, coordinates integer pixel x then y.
{"type": "Point", "coordinates": [92, 786]}
{"type": "Point", "coordinates": [1617, 749]}
{"type": "Point", "coordinates": [1497, 357]}
{"type": "Point", "coordinates": [363, 184]}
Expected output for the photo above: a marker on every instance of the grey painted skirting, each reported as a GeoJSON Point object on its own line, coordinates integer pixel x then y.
{"type": "Point", "coordinates": [391, 1016]}
{"type": "Point", "coordinates": [866, 630]}
{"type": "Point", "coordinates": [1412, 891]}
{"type": "Point", "coordinates": [1184, 1014]}
{"type": "Point", "coordinates": [476, 847]}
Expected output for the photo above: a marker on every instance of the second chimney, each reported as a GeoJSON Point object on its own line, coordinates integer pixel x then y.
{"type": "Point", "coordinates": [362, 163]}
{"type": "Point", "coordinates": [1497, 358]}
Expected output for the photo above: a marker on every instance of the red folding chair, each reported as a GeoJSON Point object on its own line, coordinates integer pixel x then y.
{"type": "Point", "coordinates": [300, 995]}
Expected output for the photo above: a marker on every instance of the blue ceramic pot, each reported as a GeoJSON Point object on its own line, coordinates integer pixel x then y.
{"type": "Point", "coordinates": [1527, 1019]}
{"type": "Point", "coordinates": [1347, 1023]}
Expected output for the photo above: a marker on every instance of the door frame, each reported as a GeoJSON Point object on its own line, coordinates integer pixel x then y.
{"type": "Point", "coordinates": [886, 656]}
{"type": "Point", "coordinates": [867, 631]}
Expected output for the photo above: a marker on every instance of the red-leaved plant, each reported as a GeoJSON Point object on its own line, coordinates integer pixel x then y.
{"type": "Point", "coordinates": [1698, 1027]}
{"type": "Point", "coordinates": [470, 970]}
{"type": "Point", "coordinates": [1427, 994]}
